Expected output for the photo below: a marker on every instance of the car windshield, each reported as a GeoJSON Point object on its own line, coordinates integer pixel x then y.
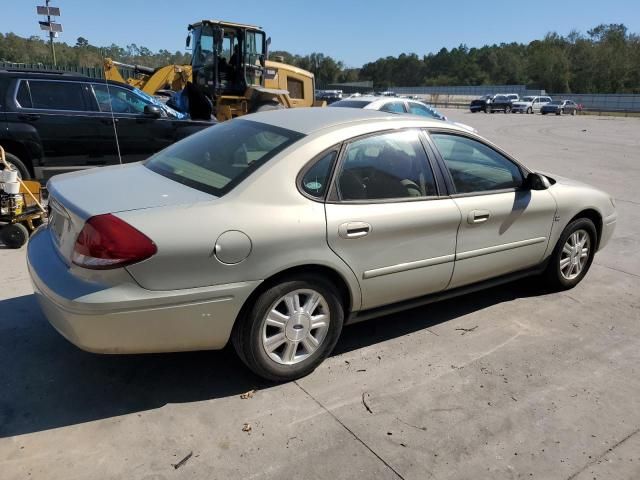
{"type": "Point", "coordinates": [556, 102]}
{"type": "Point", "coordinates": [527, 99]}
{"type": "Point", "coordinates": [351, 103]}
{"type": "Point", "coordinates": [218, 158]}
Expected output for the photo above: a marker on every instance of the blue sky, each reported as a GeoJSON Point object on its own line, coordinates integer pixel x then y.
{"type": "Point", "coordinates": [354, 32]}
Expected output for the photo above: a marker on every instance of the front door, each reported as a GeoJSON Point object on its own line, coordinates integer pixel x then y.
{"type": "Point", "coordinates": [387, 220]}
{"type": "Point", "coordinates": [138, 135]}
{"type": "Point", "coordinates": [505, 227]}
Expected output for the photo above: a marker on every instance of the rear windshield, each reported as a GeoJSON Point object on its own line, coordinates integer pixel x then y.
{"type": "Point", "coordinates": [351, 103]}
{"type": "Point", "coordinates": [218, 158]}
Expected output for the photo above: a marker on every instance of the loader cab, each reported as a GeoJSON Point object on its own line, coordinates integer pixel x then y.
{"type": "Point", "coordinates": [227, 57]}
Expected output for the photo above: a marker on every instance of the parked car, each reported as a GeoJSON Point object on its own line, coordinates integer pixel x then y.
{"type": "Point", "coordinates": [275, 229]}
{"type": "Point", "coordinates": [397, 105]}
{"type": "Point", "coordinates": [560, 107]}
{"type": "Point", "coordinates": [480, 104]}
{"type": "Point", "coordinates": [499, 103]}
{"type": "Point", "coordinates": [58, 122]}
{"type": "Point", "coordinates": [529, 104]}
{"type": "Point", "coordinates": [329, 96]}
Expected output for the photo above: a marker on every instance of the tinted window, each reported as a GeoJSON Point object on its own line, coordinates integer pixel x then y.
{"type": "Point", "coordinates": [392, 165]}
{"type": "Point", "coordinates": [351, 103]}
{"type": "Point", "coordinates": [23, 96]}
{"type": "Point", "coordinates": [120, 100]}
{"type": "Point", "coordinates": [393, 107]}
{"type": "Point", "coordinates": [57, 95]}
{"type": "Point", "coordinates": [316, 180]}
{"type": "Point", "coordinates": [419, 109]}
{"type": "Point", "coordinates": [475, 167]}
{"type": "Point", "coordinates": [216, 159]}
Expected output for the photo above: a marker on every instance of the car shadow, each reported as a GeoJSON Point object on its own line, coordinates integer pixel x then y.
{"type": "Point", "coordinates": [46, 382]}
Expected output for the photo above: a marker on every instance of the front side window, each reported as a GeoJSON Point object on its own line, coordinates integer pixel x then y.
{"type": "Point", "coordinates": [316, 180]}
{"type": "Point", "coordinates": [119, 100]}
{"type": "Point", "coordinates": [216, 159]}
{"type": "Point", "coordinates": [390, 165]}
{"type": "Point", "coordinates": [53, 95]}
{"type": "Point", "coordinates": [475, 167]}
{"type": "Point", "coordinates": [393, 107]}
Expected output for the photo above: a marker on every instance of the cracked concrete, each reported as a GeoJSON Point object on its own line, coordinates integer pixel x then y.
{"type": "Point", "coordinates": [547, 386]}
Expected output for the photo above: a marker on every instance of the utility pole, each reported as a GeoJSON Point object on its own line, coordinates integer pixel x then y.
{"type": "Point", "coordinates": [52, 27]}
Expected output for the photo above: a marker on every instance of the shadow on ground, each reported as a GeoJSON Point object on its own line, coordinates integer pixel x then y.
{"type": "Point", "coordinates": [45, 382]}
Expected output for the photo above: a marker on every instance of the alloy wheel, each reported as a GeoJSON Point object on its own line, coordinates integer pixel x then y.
{"type": "Point", "coordinates": [575, 254]}
{"type": "Point", "coordinates": [295, 326]}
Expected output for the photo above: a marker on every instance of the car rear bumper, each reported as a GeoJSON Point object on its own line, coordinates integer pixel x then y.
{"type": "Point", "coordinates": [126, 318]}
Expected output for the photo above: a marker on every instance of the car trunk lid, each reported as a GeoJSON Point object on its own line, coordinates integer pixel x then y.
{"type": "Point", "coordinates": [76, 197]}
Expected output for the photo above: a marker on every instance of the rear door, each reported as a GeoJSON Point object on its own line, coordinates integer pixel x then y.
{"type": "Point", "coordinates": [505, 227]}
{"type": "Point", "coordinates": [387, 221]}
{"type": "Point", "coordinates": [58, 110]}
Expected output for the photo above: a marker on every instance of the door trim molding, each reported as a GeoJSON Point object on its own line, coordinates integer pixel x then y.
{"type": "Point", "coordinates": [403, 267]}
{"type": "Point", "coordinates": [499, 248]}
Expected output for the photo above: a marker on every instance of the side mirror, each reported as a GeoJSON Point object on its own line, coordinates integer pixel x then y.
{"type": "Point", "coordinates": [536, 181]}
{"type": "Point", "coordinates": [153, 111]}
{"type": "Point", "coordinates": [266, 53]}
{"type": "Point", "coordinates": [188, 41]}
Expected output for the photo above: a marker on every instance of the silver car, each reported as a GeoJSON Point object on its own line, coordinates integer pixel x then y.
{"type": "Point", "coordinates": [529, 104]}
{"type": "Point", "coordinates": [396, 105]}
{"type": "Point", "coordinates": [276, 229]}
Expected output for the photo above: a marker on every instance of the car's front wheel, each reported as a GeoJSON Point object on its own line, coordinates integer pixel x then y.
{"type": "Point", "coordinates": [290, 328]}
{"type": "Point", "coordinates": [529, 110]}
{"type": "Point", "coordinates": [507, 109]}
{"type": "Point", "coordinates": [573, 255]}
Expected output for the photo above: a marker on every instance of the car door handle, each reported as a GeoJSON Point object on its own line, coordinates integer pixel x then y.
{"type": "Point", "coordinates": [30, 117]}
{"type": "Point", "coordinates": [354, 230]}
{"type": "Point", "coordinates": [478, 216]}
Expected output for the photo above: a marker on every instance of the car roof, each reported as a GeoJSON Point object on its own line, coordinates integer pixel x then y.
{"type": "Point", "coordinates": [58, 75]}
{"type": "Point", "coordinates": [313, 119]}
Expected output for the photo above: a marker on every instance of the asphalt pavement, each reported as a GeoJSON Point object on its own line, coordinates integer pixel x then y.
{"type": "Point", "coordinates": [508, 383]}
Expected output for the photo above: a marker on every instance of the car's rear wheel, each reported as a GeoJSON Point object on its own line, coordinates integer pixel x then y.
{"type": "Point", "coordinates": [574, 112]}
{"type": "Point", "coordinates": [572, 255]}
{"type": "Point", "coordinates": [488, 110]}
{"type": "Point", "coordinates": [507, 109]}
{"type": "Point", "coordinates": [529, 110]}
{"type": "Point", "coordinates": [15, 162]}
{"type": "Point", "coordinates": [290, 328]}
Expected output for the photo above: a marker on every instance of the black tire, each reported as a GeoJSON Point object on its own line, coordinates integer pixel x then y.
{"type": "Point", "coordinates": [489, 110]}
{"type": "Point", "coordinates": [554, 277]}
{"type": "Point", "coordinates": [574, 112]}
{"type": "Point", "coordinates": [23, 171]}
{"type": "Point", "coordinates": [529, 110]}
{"type": "Point", "coordinates": [559, 112]}
{"type": "Point", "coordinates": [247, 333]}
{"type": "Point", "coordinates": [507, 109]}
{"type": "Point", "coordinates": [543, 113]}
{"type": "Point", "coordinates": [267, 106]}
{"type": "Point", "coordinates": [14, 235]}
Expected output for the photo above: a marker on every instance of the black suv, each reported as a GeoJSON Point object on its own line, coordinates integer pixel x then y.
{"type": "Point", "coordinates": [55, 122]}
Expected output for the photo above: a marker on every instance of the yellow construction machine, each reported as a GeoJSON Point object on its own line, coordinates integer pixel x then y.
{"type": "Point", "coordinates": [229, 70]}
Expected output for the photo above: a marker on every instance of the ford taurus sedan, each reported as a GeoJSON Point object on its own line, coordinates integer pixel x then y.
{"type": "Point", "coordinates": [274, 230]}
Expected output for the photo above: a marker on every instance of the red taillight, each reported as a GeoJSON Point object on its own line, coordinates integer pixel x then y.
{"type": "Point", "coordinates": [108, 242]}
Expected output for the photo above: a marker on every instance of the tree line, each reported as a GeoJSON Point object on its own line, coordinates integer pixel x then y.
{"type": "Point", "coordinates": [604, 60]}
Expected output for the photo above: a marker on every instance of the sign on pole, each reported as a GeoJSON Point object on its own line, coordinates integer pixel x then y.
{"type": "Point", "coordinates": [50, 11]}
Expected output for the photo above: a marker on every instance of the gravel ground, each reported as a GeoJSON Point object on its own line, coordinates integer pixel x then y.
{"type": "Point", "coordinates": [539, 386]}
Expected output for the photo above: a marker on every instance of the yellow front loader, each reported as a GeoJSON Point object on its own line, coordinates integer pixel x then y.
{"type": "Point", "coordinates": [229, 67]}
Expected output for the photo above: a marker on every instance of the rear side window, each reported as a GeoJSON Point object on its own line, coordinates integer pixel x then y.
{"type": "Point", "coordinates": [316, 180]}
{"type": "Point", "coordinates": [52, 95]}
{"type": "Point", "coordinates": [389, 165]}
{"type": "Point", "coordinates": [218, 158]}
{"type": "Point", "coordinates": [351, 103]}
{"type": "Point", "coordinates": [393, 107]}
{"type": "Point", "coordinates": [23, 96]}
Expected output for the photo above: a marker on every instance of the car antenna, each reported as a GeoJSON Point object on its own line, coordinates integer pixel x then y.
{"type": "Point", "coordinates": [113, 118]}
